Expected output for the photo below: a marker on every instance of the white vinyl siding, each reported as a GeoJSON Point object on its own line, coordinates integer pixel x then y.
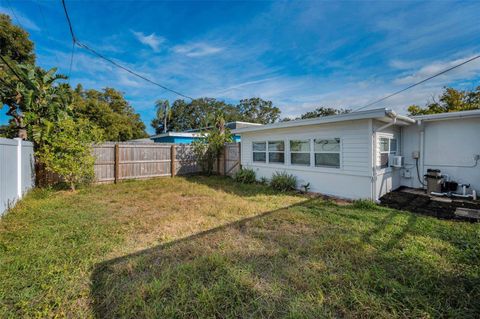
{"type": "Point", "coordinates": [351, 180]}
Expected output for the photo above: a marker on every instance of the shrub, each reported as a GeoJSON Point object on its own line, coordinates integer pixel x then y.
{"type": "Point", "coordinates": [245, 176]}
{"type": "Point", "coordinates": [209, 147]}
{"type": "Point", "coordinates": [67, 150]}
{"type": "Point", "coordinates": [364, 204]}
{"type": "Point", "coordinates": [282, 181]}
{"type": "Point", "coordinates": [263, 181]}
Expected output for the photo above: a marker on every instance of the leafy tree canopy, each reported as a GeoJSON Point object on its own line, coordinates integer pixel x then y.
{"type": "Point", "coordinates": [197, 113]}
{"type": "Point", "coordinates": [14, 42]}
{"type": "Point", "coordinates": [323, 111]}
{"type": "Point", "coordinates": [451, 100]}
{"type": "Point", "coordinates": [109, 111]}
{"type": "Point", "coordinates": [256, 110]}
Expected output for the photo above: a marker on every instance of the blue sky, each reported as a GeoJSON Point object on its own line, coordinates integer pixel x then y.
{"type": "Point", "coordinates": [298, 54]}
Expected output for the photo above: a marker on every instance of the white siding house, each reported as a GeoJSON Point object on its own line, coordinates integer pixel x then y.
{"type": "Point", "coordinates": [349, 155]}
{"type": "Point", "coordinates": [449, 142]}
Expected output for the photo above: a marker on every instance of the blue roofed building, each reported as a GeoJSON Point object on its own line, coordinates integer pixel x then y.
{"type": "Point", "coordinates": [189, 136]}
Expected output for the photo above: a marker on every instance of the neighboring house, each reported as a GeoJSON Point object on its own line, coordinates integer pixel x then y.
{"type": "Point", "coordinates": [351, 155]}
{"type": "Point", "coordinates": [189, 136]}
{"type": "Point", "coordinates": [176, 137]}
{"type": "Point", "coordinates": [141, 140]}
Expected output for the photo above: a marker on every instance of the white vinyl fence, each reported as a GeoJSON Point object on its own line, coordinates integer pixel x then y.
{"type": "Point", "coordinates": [17, 171]}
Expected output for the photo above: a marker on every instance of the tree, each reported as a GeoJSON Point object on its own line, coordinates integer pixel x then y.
{"type": "Point", "coordinates": [109, 111]}
{"type": "Point", "coordinates": [451, 100]}
{"type": "Point", "coordinates": [323, 111]}
{"type": "Point", "coordinates": [33, 96]}
{"type": "Point", "coordinates": [163, 116]}
{"type": "Point", "coordinates": [196, 113]}
{"type": "Point", "coordinates": [67, 150]}
{"type": "Point", "coordinates": [44, 106]}
{"type": "Point", "coordinates": [256, 110]}
{"type": "Point", "coordinates": [14, 42]}
{"type": "Point", "coordinates": [209, 147]}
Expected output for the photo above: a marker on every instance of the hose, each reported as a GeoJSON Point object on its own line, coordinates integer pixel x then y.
{"type": "Point", "coordinates": [418, 173]}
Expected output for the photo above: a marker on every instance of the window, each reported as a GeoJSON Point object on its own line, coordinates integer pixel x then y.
{"type": "Point", "coordinates": [300, 152]}
{"type": "Point", "coordinates": [276, 152]}
{"type": "Point", "coordinates": [327, 152]}
{"type": "Point", "coordinates": [260, 151]}
{"type": "Point", "coordinates": [388, 146]}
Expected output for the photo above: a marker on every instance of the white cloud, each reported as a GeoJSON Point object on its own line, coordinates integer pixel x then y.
{"type": "Point", "coordinates": [151, 40]}
{"type": "Point", "coordinates": [20, 19]}
{"type": "Point", "coordinates": [196, 49]}
{"type": "Point", "coordinates": [463, 72]}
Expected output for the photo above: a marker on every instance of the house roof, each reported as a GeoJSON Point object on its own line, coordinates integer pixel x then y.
{"type": "Point", "coordinates": [382, 114]}
{"type": "Point", "coordinates": [177, 134]}
{"type": "Point", "coordinates": [449, 115]}
{"type": "Point", "coordinates": [231, 125]}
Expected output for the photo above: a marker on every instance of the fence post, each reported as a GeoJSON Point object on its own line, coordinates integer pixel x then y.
{"type": "Point", "coordinates": [19, 167]}
{"type": "Point", "coordinates": [173, 156]}
{"type": "Point", "coordinates": [240, 155]}
{"type": "Point", "coordinates": [117, 163]}
{"type": "Point", "coordinates": [225, 152]}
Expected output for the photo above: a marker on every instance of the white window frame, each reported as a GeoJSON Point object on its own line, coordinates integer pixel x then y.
{"type": "Point", "coordinates": [284, 152]}
{"type": "Point", "coordinates": [266, 152]}
{"type": "Point", "coordinates": [340, 153]}
{"type": "Point", "coordinates": [308, 140]}
{"type": "Point", "coordinates": [389, 151]}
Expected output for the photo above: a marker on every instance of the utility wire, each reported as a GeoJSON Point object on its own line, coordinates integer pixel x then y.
{"type": "Point", "coordinates": [74, 40]}
{"type": "Point", "coordinates": [14, 14]}
{"type": "Point", "coordinates": [418, 83]}
{"type": "Point", "coordinates": [86, 47]}
{"type": "Point", "coordinates": [49, 35]}
{"type": "Point", "coordinates": [15, 73]}
{"type": "Point", "coordinates": [71, 61]}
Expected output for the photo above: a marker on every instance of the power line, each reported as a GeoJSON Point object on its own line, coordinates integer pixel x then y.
{"type": "Point", "coordinates": [71, 61]}
{"type": "Point", "coordinates": [14, 14]}
{"type": "Point", "coordinates": [12, 69]}
{"type": "Point", "coordinates": [74, 40]}
{"type": "Point", "coordinates": [49, 35]}
{"type": "Point", "coordinates": [418, 83]}
{"type": "Point", "coordinates": [86, 47]}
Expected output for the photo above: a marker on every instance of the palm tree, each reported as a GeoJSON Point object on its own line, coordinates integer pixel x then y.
{"type": "Point", "coordinates": [164, 111]}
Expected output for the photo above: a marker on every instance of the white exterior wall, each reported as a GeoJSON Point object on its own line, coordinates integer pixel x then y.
{"type": "Point", "coordinates": [449, 145]}
{"type": "Point", "coordinates": [386, 179]}
{"type": "Point", "coordinates": [351, 180]}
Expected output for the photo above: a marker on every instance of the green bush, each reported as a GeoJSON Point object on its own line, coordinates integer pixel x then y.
{"type": "Point", "coordinates": [245, 176]}
{"type": "Point", "coordinates": [364, 204]}
{"type": "Point", "coordinates": [284, 182]}
{"type": "Point", "coordinates": [263, 181]}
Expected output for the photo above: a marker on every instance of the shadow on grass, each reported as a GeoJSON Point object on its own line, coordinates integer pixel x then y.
{"type": "Point", "coordinates": [282, 263]}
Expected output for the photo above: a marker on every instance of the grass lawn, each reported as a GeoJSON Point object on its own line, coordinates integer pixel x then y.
{"type": "Point", "coordinates": [209, 248]}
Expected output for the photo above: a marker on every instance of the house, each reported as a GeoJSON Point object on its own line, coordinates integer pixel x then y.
{"type": "Point", "coordinates": [357, 155]}
{"type": "Point", "coordinates": [189, 136]}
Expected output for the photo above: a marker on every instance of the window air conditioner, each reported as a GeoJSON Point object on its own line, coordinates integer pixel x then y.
{"type": "Point", "coordinates": [397, 161]}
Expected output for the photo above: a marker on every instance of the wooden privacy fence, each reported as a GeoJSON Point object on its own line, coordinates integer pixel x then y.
{"type": "Point", "coordinates": [119, 161]}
